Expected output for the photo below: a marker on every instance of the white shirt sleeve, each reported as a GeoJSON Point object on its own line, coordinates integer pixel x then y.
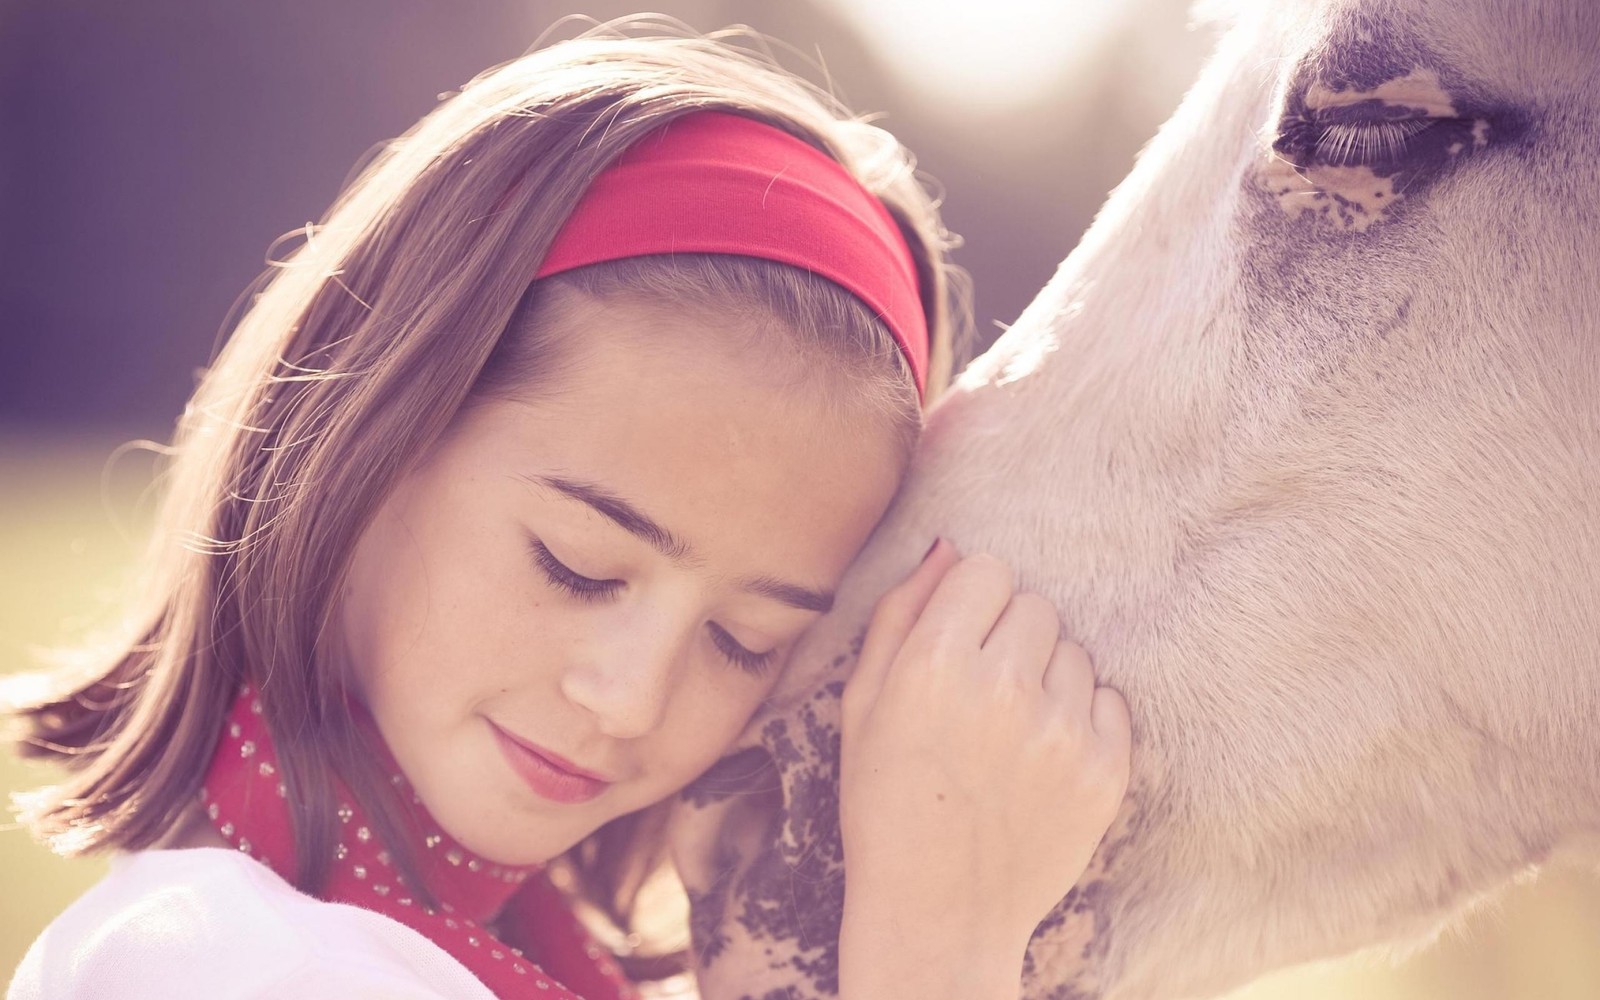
{"type": "Point", "coordinates": [215, 924]}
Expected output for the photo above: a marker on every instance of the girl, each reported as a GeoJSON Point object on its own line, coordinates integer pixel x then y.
{"type": "Point", "coordinates": [488, 532]}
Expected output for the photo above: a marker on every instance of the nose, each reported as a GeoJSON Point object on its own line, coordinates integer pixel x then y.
{"type": "Point", "coordinates": [625, 679]}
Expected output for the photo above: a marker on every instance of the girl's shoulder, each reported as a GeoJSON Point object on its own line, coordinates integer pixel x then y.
{"type": "Point", "coordinates": [206, 922]}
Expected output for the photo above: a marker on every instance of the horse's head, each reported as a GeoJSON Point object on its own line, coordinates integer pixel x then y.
{"type": "Point", "coordinates": [1304, 441]}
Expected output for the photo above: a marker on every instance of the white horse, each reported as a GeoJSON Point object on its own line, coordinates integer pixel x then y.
{"type": "Point", "coordinates": [1304, 442]}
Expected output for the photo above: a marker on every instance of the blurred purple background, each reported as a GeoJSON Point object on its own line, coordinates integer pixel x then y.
{"type": "Point", "coordinates": [152, 151]}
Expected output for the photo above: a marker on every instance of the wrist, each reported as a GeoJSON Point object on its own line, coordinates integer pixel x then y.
{"type": "Point", "coordinates": [890, 950]}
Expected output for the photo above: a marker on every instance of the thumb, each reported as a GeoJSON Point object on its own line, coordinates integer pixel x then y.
{"type": "Point", "coordinates": [892, 620]}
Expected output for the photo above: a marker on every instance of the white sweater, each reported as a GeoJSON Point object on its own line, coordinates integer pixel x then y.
{"type": "Point", "coordinates": [215, 924]}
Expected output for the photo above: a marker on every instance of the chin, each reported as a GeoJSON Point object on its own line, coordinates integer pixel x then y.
{"type": "Point", "coordinates": [518, 839]}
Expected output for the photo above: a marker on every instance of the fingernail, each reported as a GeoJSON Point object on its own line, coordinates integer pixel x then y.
{"type": "Point", "coordinates": [931, 548]}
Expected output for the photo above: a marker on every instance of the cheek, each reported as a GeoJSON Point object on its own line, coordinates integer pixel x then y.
{"type": "Point", "coordinates": [424, 613]}
{"type": "Point", "coordinates": [378, 606]}
{"type": "Point", "coordinates": [709, 718]}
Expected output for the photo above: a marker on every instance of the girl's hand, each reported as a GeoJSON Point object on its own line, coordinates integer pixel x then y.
{"type": "Point", "coordinates": [981, 766]}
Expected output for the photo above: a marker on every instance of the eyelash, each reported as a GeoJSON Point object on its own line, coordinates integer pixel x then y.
{"type": "Point", "coordinates": [1306, 141]}
{"type": "Point", "coordinates": [573, 584]}
{"type": "Point", "coordinates": [1346, 143]}
{"type": "Point", "coordinates": [744, 659]}
{"type": "Point", "coordinates": [592, 591]}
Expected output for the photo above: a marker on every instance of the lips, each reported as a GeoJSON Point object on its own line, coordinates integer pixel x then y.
{"type": "Point", "coordinates": [550, 775]}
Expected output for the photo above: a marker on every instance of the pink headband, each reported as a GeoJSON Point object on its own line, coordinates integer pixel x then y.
{"type": "Point", "coordinates": [712, 182]}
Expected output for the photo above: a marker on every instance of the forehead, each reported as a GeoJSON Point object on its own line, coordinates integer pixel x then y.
{"type": "Point", "coordinates": [668, 408]}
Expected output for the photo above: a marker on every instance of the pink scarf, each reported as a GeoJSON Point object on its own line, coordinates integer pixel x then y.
{"type": "Point", "coordinates": [244, 798]}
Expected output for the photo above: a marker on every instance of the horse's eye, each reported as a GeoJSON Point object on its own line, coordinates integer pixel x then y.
{"type": "Point", "coordinates": [1365, 143]}
{"type": "Point", "coordinates": [1377, 143]}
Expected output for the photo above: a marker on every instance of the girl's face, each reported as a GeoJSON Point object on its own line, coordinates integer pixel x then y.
{"type": "Point", "coordinates": [573, 604]}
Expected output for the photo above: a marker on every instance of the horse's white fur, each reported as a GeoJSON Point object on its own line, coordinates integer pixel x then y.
{"type": "Point", "coordinates": [1328, 513]}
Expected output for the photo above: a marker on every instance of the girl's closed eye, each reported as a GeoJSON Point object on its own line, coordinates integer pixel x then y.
{"type": "Point", "coordinates": [585, 588]}
{"type": "Point", "coordinates": [737, 654]}
{"type": "Point", "coordinates": [563, 578]}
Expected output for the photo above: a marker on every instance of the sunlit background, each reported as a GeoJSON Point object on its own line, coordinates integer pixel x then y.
{"type": "Point", "coordinates": [150, 152]}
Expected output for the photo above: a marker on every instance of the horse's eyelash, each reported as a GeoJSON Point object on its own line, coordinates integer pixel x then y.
{"type": "Point", "coordinates": [1352, 143]}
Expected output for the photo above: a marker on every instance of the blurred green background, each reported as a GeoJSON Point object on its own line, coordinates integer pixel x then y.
{"type": "Point", "coordinates": [70, 525]}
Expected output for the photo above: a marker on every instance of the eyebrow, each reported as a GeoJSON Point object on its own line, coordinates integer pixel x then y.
{"type": "Point", "coordinates": [804, 598]}
{"type": "Point", "coordinates": [636, 522]}
{"type": "Point", "coordinates": [628, 517]}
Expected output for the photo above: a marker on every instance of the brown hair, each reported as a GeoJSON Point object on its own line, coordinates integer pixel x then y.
{"type": "Point", "coordinates": [410, 299]}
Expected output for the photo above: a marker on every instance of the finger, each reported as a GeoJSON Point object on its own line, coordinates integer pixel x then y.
{"type": "Point", "coordinates": [1069, 677]}
{"type": "Point", "coordinates": [897, 612]}
{"type": "Point", "coordinates": [964, 607]}
{"type": "Point", "coordinates": [1111, 720]}
{"type": "Point", "coordinates": [1024, 639]}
